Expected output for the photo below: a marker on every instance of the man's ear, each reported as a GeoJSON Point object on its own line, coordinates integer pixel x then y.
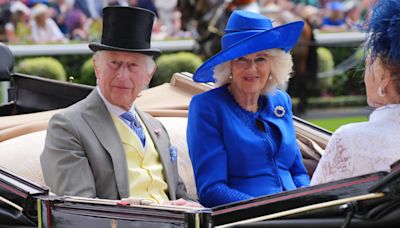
{"type": "Point", "coordinates": [94, 61]}
{"type": "Point", "coordinates": [151, 74]}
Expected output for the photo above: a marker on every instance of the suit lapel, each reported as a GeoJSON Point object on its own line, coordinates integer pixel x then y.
{"type": "Point", "coordinates": [99, 119]}
{"type": "Point", "coordinates": [162, 146]}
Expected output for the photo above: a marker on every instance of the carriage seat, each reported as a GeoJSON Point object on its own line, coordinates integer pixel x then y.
{"type": "Point", "coordinates": [24, 142]}
{"type": "Point", "coordinates": [20, 153]}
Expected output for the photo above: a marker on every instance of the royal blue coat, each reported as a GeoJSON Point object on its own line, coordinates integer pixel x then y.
{"type": "Point", "coordinates": [232, 158]}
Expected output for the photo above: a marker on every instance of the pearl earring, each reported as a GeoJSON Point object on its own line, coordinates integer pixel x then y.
{"type": "Point", "coordinates": [230, 77]}
{"type": "Point", "coordinates": [270, 77]}
{"type": "Point", "coordinates": [381, 92]}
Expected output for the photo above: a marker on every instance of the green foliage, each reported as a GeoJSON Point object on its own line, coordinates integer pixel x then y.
{"type": "Point", "coordinates": [168, 64]}
{"type": "Point", "coordinates": [341, 53]}
{"type": "Point", "coordinates": [325, 60]}
{"type": "Point", "coordinates": [339, 101]}
{"type": "Point", "coordinates": [325, 64]}
{"type": "Point", "coordinates": [332, 124]}
{"type": "Point", "coordinates": [87, 75]}
{"type": "Point", "coordinates": [350, 82]}
{"type": "Point", "coordinates": [42, 66]}
{"type": "Point", "coordinates": [334, 102]}
{"type": "Point", "coordinates": [73, 65]}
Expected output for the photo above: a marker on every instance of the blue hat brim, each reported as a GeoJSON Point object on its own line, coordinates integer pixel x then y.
{"type": "Point", "coordinates": [283, 37]}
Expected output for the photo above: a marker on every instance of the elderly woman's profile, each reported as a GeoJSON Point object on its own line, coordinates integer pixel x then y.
{"type": "Point", "coordinates": [362, 148]}
{"type": "Point", "coordinates": [240, 135]}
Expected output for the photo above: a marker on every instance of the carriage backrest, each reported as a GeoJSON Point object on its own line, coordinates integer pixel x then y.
{"type": "Point", "coordinates": [14, 130]}
{"type": "Point", "coordinates": [21, 146]}
{"type": "Point", "coordinates": [6, 62]}
{"type": "Point", "coordinates": [35, 94]}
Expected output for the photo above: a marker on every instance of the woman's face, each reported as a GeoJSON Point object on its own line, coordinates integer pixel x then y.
{"type": "Point", "coordinates": [250, 73]}
{"type": "Point", "coordinates": [372, 79]}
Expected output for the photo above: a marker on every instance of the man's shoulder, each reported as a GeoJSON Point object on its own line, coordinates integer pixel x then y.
{"type": "Point", "coordinates": [76, 108]}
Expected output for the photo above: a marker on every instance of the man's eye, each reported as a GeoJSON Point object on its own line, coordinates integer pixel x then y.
{"type": "Point", "coordinates": [115, 64]}
{"type": "Point", "coordinates": [132, 65]}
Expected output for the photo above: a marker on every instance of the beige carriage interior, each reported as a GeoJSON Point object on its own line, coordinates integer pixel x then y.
{"type": "Point", "coordinates": [22, 136]}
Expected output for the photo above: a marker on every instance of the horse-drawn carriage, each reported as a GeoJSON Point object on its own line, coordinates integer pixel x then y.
{"type": "Point", "coordinates": [25, 201]}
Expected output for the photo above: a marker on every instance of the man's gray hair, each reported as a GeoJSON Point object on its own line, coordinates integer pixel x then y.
{"type": "Point", "coordinates": [281, 68]}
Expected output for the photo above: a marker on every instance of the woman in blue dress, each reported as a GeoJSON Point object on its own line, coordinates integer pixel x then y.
{"type": "Point", "coordinates": [240, 135]}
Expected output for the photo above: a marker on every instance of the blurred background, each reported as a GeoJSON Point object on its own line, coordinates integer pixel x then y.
{"type": "Point", "coordinates": [49, 39]}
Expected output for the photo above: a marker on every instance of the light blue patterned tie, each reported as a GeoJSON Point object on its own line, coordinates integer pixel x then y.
{"type": "Point", "coordinates": [135, 126]}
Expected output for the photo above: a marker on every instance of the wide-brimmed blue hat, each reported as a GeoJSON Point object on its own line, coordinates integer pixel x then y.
{"type": "Point", "coordinates": [247, 32]}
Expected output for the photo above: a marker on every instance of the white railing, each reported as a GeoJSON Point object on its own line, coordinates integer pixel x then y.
{"type": "Point", "coordinates": [72, 49]}
{"type": "Point", "coordinates": [171, 45]}
{"type": "Point", "coordinates": [339, 38]}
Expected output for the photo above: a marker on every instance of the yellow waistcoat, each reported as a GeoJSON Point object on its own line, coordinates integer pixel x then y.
{"type": "Point", "coordinates": [145, 170]}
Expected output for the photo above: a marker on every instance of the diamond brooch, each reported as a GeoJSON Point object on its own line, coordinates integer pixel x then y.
{"type": "Point", "coordinates": [279, 111]}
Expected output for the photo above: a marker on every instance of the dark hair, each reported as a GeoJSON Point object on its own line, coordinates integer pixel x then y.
{"type": "Point", "coordinates": [383, 37]}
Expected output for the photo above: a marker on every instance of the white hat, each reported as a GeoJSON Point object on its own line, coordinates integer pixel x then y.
{"type": "Point", "coordinates": [38, 10]}
{"type": "Point", "coordinates": [19, 6]}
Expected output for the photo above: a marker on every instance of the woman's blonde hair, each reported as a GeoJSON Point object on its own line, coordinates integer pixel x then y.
{"type": "Point", "coordinates": [281, 68]}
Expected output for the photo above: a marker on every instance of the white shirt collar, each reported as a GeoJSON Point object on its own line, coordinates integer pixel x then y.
{"type": "Point", "coordinates": [388, 114]}
{"type": "Point", "coordinates": [113, 109]}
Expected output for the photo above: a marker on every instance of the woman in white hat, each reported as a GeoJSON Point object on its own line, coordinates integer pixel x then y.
{"type": "Point", "coordinates": [17, 30]}
{"type": "Point", "coordinates": [240, 135]}
{"type": "Point", "coordinates": [43, 28]}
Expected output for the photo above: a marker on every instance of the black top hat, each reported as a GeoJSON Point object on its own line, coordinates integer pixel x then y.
{"type": "Point", "coordinates": [126, 29]}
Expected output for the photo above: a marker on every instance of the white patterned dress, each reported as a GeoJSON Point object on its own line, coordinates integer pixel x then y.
{"type": "Point", "coordinates": [362, 148]}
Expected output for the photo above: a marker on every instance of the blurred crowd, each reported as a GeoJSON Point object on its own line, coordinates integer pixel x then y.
{"type": "Point", "coordinates": [49, 21]}
{"type": "Point", "coordinates": [58, 21]}
{"type": "Point", "coordinates": [324, 15]}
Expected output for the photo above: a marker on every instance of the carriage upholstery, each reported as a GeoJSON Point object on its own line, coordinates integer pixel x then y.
{"type": "Point", "coordinates": [21, 151]}
{"type": "Point", "coordinates": [21, 145]}
{"type": "Point", "coordinates": [22, 136]}
{"type": "Point", "coordinates": [6, 62]}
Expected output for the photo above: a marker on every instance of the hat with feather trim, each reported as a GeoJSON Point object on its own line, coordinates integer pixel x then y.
{"type": "Point", "coordinates": [383, 32]}
{"type": "Point", "coordinates": [247, 32]}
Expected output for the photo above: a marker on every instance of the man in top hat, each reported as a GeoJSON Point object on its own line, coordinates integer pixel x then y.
{"type": "Point", "coordinates": [103, 146]}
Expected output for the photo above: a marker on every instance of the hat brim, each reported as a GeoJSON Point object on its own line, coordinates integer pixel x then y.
{"type": "Point", "coordinates": [283, 37]}
{"type": "Point", "coordinates": [99, 47]}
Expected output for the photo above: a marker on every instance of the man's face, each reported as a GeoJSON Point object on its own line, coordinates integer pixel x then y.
{"type": "Point", "coordinates": [121, 76]}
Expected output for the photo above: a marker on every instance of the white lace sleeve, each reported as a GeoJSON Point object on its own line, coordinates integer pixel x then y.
{"type": "Point", "coordinates": [336, 163]}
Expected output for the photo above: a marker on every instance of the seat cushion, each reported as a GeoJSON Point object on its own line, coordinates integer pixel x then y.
{"type": "Point", "coordinates": [176, 128]}
{"type": "Point", "coordinates": [21, 155]}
